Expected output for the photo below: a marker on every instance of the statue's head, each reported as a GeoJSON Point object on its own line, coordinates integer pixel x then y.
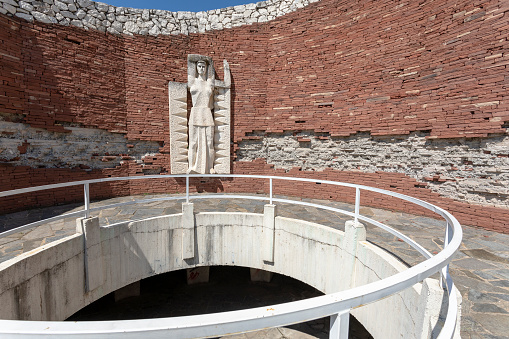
{"type": "Point", "coordinates": [201, 67]}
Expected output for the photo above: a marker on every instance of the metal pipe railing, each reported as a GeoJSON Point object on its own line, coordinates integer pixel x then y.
{"type": "Point", "coordinates": [337, 305]}
{"type": "Point", "coordinates": [87, 199]}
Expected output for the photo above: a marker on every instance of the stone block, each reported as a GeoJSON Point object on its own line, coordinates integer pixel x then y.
{"type": "Point", "coordinates": [268, 232]}
{"type": "Point", "coordinates": [188, 230]}
{"type": "Point", "coordinates": [354, 233]}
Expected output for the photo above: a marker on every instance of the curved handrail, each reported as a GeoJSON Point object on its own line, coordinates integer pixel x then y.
{"type": "Point", "coordinates": [253, 319]}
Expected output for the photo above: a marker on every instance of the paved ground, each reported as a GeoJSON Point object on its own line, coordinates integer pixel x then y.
{"type": "Point", "coordinates": [480, 270]}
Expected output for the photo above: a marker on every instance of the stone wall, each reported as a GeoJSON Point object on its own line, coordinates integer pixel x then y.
{"type": "Point", "coordinates": [85, 148]}
{"type": "Point", "coordinates": [408, 97]}
{"type": "Point", "coordinates": [122, 20]}
{"type": "Point", "coordinates": [473, 170]}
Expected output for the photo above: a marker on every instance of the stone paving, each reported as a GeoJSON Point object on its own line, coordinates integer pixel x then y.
{"type": "Point", "coordinates": [480, 269]}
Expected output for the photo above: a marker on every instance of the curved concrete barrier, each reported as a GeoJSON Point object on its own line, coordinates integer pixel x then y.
{"type": "Point", "coordinates": [54, 281]}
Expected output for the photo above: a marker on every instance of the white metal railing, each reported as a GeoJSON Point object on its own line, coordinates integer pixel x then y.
{"type": "Point", "coordinates": [336, 305]}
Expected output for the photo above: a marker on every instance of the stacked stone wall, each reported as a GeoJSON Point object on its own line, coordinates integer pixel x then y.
{"type": "Point", "coordinates": [443, 165]}
{"type": "Point", "coordinates": [317, 92]}
{"type": "Point", "coordinates": [99, 16]}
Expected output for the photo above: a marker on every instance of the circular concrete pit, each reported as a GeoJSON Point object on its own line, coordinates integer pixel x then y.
{"type": "Point", "coordinates": [61, 278]}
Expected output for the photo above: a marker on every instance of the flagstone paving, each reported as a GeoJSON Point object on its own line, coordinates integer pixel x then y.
{"type": "Point", "coordinates": [480, 269]}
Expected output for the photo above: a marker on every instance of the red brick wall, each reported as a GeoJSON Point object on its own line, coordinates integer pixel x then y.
{"type": "Point", "coordinates": [336, 66]}
{"type": "Point", "coordinates": [11, 67]}
{"type": "Point", "coordinates": [58, 74]}
{"type": "Point", "coordinates": [496, 219]}
{"type": "Point", "coordinates": [392, 67]}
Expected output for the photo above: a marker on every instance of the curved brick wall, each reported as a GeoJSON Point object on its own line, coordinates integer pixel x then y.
{"type": "Point", "coordinates": [402, 96]}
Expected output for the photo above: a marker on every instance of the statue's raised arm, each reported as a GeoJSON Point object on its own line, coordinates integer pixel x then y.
{"type": "Point", "coordinates": [211, 76]}
{"type": "Point", "coordinates": [191, 71]}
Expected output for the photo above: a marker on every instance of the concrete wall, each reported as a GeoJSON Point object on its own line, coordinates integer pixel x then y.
{"type": "Point", "coordinates": [46, 283]}
{"type": "Point", "coordinates": [399, 310]}
{"type": "Point", "coordinates": [49, 283]}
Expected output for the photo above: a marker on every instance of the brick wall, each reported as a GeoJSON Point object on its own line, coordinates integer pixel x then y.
{"type": "Point", "coordinates": [58, 74]}
{"type": "Point", "coordinates": [389, 67]}
{"type": "Point", "coordinates": [334, 67]}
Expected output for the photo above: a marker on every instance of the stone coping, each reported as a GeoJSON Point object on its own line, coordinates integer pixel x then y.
{"type": "Point", "coordinates": [122, 20]}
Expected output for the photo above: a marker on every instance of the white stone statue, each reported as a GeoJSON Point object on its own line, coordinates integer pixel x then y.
{"type": "Point", "coordinates": [200, 143]}
{"type": "Point", "coordinates": [200, 81]}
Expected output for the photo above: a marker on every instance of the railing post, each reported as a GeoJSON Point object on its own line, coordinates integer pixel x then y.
{"type": "Point", "coordinates": [270, 198]}
{"type": "Point", "coordinates": [187, 188]}
{"type": "Point", "coordinates": [87, 200]}
{"type": "Point", "coordinates": [339, 325]}
{"type": "Point", "coordinates": [357, 202]}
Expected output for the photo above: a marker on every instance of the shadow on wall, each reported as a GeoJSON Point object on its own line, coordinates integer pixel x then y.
{"type": "Point", "coordinates": [79, 84]}
{"type": "Point", "coordinates": [68, 85]}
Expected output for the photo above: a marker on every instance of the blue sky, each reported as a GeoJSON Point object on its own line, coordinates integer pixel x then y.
{"type": "Point", "coordinates": [178, 5]}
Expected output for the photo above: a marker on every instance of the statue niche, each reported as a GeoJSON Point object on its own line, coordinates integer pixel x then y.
{"type": "Point", "coordinates": [200, 143]}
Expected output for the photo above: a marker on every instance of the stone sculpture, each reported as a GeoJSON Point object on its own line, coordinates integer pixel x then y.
{"type": "Point", "coordinates": [200, 140]}
{"type": "Point", "coordinates": [200, 155]}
